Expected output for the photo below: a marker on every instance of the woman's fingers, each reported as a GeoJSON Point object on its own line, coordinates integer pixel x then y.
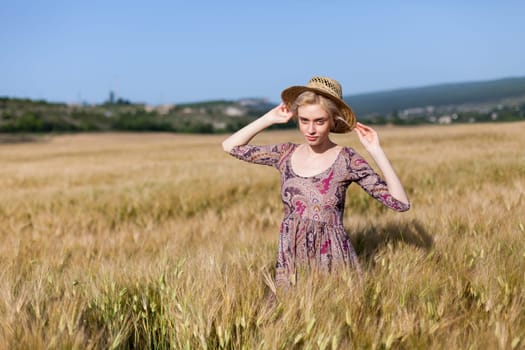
{"type": "Point", "coordinates": [365, 133]}
{"type": "Point", "coordinates": [363, 127]}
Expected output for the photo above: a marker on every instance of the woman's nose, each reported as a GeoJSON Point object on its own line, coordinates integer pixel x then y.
{"type": "Point", "coordinates": [311, 128]}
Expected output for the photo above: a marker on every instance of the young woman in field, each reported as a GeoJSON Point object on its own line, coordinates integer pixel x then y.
{"type": "Point", "coordinates": [315, 176]}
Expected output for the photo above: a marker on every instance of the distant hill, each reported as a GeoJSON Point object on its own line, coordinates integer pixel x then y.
{"type": "Point", "coordinates": [489, 101]}
{"type": "Point", "coordinates": [385, 102]}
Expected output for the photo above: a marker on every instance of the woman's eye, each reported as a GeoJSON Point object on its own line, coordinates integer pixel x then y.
{"type": "Point", "coordinates": [320, 122]}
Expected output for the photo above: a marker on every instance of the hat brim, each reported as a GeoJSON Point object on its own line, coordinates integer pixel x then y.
{"type": "Point", "coordinates": [290, 94]}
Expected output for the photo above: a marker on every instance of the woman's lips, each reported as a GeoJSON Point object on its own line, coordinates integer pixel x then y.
{"type": "Point", "coordinates": [311, 138]}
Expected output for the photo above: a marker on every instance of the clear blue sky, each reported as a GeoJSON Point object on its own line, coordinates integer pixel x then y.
{"type": "Point", "coordinates": [183, 51]}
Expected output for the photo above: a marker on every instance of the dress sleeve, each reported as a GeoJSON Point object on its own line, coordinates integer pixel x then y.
{"type": "Point", "coordinates": [265, 155]}
{"type": "Point", "coordinates": [363, 174]}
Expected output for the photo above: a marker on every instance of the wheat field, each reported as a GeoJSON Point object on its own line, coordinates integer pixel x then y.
{"type": "Point", "coordinates": [163, 241]}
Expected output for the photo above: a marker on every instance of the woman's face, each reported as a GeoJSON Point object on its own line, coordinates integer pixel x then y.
{"type": "Point", "coordinates": [314, 124]}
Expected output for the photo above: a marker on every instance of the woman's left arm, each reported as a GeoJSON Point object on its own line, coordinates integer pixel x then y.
{"type": "Point", "coordinates": [370, 140]}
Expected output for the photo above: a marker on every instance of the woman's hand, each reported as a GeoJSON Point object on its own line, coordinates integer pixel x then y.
{"type": "Point", "coordinates": [279, 115]}
{"type": "Point", "coordinates": [368, 137]}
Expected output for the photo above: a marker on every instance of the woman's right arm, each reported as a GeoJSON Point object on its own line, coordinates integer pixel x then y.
{"type": "Point", "coordinates": [278, 115]}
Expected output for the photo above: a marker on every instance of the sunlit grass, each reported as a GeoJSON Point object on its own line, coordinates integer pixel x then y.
{"type": "Point", "coordinates": [163, 241]}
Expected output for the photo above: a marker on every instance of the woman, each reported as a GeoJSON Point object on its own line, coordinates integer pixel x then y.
{"type": "Point", "coordinates": [315, 176]}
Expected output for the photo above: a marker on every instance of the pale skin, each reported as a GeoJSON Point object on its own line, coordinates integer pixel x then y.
{"type": "Point", "coordinates": [319, 151]}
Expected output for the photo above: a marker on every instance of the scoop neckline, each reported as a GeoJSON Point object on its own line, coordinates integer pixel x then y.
{"type": "Point", "coordinates": [316, 175]}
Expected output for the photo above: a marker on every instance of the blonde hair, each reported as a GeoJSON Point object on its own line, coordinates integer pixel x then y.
{"type": "Point", "coordinates": [311, 98]}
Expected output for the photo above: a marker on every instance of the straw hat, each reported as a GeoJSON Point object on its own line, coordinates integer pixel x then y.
{"type": "Point", "coordinates": [331, 89]}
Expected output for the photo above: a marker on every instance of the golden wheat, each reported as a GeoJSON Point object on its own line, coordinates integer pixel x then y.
{"type": "Point", "coordinates": [163, 241]}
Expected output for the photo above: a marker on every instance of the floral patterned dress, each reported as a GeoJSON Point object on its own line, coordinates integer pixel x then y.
{"type": "Point", "coordinates": [312, 234]}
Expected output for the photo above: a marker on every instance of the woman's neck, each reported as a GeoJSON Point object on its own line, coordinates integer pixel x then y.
{"type": "Point", "coordinates": [319, 149]}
